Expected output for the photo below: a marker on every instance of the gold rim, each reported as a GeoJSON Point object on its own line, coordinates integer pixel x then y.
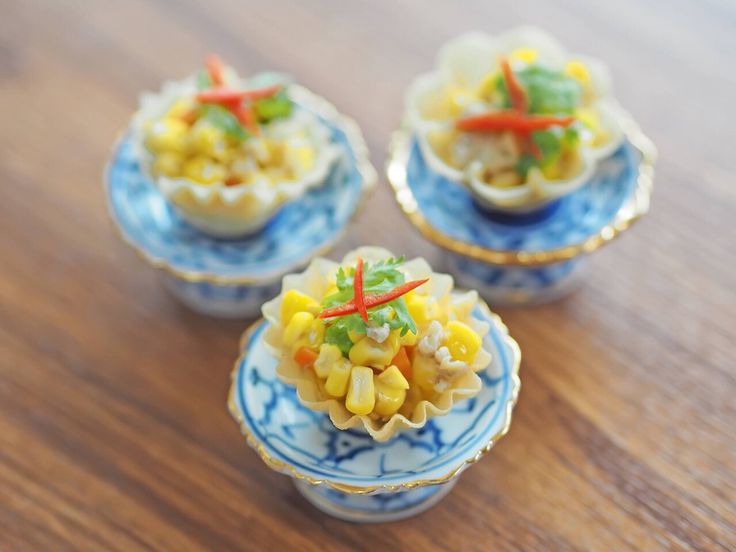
{"type": "Point", "coordinates": [633, 208]}
{"type": "Point", "coordinates": [365, 169]}
{"type": "Point", "coordinates": [284, 467]}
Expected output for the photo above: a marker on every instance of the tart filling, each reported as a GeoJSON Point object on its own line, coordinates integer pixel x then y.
{"type": "Point", "coordinates": [229, 151]}
{"type": "Point", "coordinates": [377, 341]}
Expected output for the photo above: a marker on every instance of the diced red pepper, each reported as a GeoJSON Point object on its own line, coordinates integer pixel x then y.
{"type": "Point", "coordinates": [190, 116]}
{"type": "Point", "coordinates": [358, 290]}
{"type": "Point", "coordinates": [510, 120]}
{"type": "Point", "coordinates": [305, 357]}
{"type": "Point", "coordinates": [402, 362]}
{"type": "Point", "coordinates": [372, 299]}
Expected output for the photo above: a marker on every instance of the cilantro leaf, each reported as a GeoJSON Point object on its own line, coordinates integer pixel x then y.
{"type": "Point", "coordinates": [548, 143]}
{"type": "Point", "coordinates": [378, 277]}
{"type": "Point", "coordinates": [548, 91]}
{"type": "Point", "coordinates": [338, 333]}
{"type": "Point", "coordinates": [526, 162]}
{"type": "Point", "coordinates": [274, 107]}
{"type": "Point", "coordinates": [221, 118]}
{"type": "Point", "coordinates": [203, 80]}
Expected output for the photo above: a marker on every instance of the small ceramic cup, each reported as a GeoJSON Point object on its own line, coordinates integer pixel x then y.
{"type": "Point", "coordinates": [524, 258]}
{"type": "Point", "coordinates": [233, 278]}
{"type": "Point", "coordinates": [242, 210]}
{"type": "Point", "coordinates": [346, 473]}
{"type": "Point", "coordinates": [435, 100]}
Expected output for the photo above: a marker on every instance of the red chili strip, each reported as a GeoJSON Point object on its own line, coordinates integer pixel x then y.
{"type": "Point", "coordinates": [510, 120]}
{"type": "Point", "coordinates": [358, 296]}
{"type": "Point", "coordinates": [372, 299]}
{"type": "Point", "coordinates": [228, 95]}
{"type": "Point", "coordinates": [517, 94]}
{"type": "Point", "coordinates": [214, 69]}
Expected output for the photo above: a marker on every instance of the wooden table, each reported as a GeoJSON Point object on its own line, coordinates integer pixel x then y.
{"type": "Point", "coordinates": [113, 429]}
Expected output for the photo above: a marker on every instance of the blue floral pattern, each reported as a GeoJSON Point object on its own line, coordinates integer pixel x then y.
{"type": "Point", "coordinates": [308, 442]}
{"type": "Point", "coordinates": [450, 208]}
{"type": "Point", "coordinates": [302, 227]}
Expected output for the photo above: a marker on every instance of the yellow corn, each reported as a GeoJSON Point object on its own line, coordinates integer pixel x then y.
{"type": "Point", "coordinates": [207, 140]}
{"type": "Point", "coordinates": [589, 117]}
{"type": "Point", "coordinates": [424, 373]}
{"type": "Point", "coordinates": [361, 397]}
{"type": "Point", "coordinates": [553, 171]}
{"type": "Point", "coordinates": [368, 352]}
{"type": "Point", "coordinates": [409, 339]}
{"type": "Point", "coordinates": [294, 301]}
{"type": "Point", "coordinates": [167, 135]}
{"type": "Point", "coordinates": [393, 377]}
{"type": "Point", "coordinates": [203, 170]}
{"type": "Point", "coordinates": [302, 157]}
{"type": "Point", "coordinates": [422, 308]}
{"type": "Point", "coordinates": [462, 341]}
{"type": "Point", "coordinates": [527, 55]}
{"type": "Point", "coordinates": [487, 85]}
{"type": "Point", "coordinates": [329, 356]}
{"type": "Point", "coordinates": [388, 399]}
{"type": "Point", "coordinates": [577, 70]}
{"type": "Point", "coordinates": [180, 108]}
{"type": "Point", "coordinates": [167, 163]}
{"type": "Point", "coordinates": [298, 326]}
{"type": "Point", "coordinates": [355, 336]}
{"type": "Point", "coordinates": [337, 382]}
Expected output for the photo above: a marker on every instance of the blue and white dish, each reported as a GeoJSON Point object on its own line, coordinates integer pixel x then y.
{"type": "Point", "coordinates": [232, 278]}
{"type": "Point", "coordinates": [531, 257]}
{"type": "Point", "coordinates": [345, 472]}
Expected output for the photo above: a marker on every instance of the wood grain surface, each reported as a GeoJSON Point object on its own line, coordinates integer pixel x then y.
{"type": "Point", "coordinates": [114, 433]}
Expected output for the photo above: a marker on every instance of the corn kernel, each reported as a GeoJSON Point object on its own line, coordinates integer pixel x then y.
{"type": "Point", "coordinates": [462, 341]}
{"type": "Point", "coordinates": [361, 397]}
{"type": "Point", "coordinates": [312, 337]}
{"type": "Point", "coordinates": [409, 339]}
{"type": "Point", "coordinates": [294, 301]}
{"type": "Point", "coordinates": [487, 85]}
{"type": "Point", "coordinates": [393, 377]}
{"type": "Point", "coordinates": [388, 399]}
{"type": "Point", "coordinates": [180, 108]}
{"type": "Point", "coordinates": [302, 157]}
{"type": "Point", "coordinates": [337, 382]}
{"type": "Point", "coordinates": [422, 308]}
{"type": "Point", "coordinates": [204, 171]}
{"type": "Point", "coordinates": [297, 327]}
{"type": "Point", "coordinates": [167, 163]}
{"type": "Point", "coordinates": [209, 141]}
{"type": "Point", "coordinates": [424, 373]}
{"type": "Point", "coordinates": [553, 171]}
{"type": "Point", "coordinates": [329, 355]}
{"type": "Point", "coordinates": [167, 135]}
{"type": "Point", "coordinates": [577, 70]}
{"type": "Point", "coordinates": [355, 336]}
{"type": "Point", "coordinates": [527, 55]}
{"type": "Point", "coordinates": [589, 117]}
{"type": "Point", "coordinates": [368, 352]}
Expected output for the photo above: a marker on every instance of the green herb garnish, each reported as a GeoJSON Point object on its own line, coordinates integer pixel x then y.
{"type": "Point", "coordinates": [203, 80]}
{"type": "Point", "coordinates": [273, 107]}
{"type": "Point", "coordinates": [548, 91]}
{"type": "Point", "coordinates": [377, 277]}
{"type": "Point", "coordinates": [223, 119]}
